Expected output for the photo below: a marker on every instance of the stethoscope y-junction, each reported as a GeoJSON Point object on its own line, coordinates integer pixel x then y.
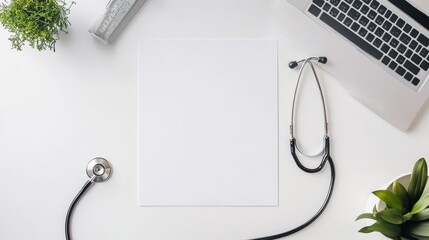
{"type": "Point", "coordinates": [99, 169]}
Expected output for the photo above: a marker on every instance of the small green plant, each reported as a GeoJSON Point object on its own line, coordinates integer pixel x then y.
{"type": "Point", "coordinates": [406, 215]}
{"type": "Point", "coordinates": [36, 22]}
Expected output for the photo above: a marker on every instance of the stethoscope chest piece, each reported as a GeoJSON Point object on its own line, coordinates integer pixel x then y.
{"type": "Point", "coordinates": [99, 168]}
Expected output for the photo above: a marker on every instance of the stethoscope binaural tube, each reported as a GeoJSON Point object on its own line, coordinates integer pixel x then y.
{"type": "Point", "coordinates": [98, 170]}
{"type": "Point", "coordinates": [325, 152]}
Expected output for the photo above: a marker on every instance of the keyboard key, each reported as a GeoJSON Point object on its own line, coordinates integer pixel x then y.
{"type": "Point", "coordinates": [379, 20]}
{"type": "Point", "coordinates": [413, 44]}
{"type": "Point", "coordinates": [407, 28]}
{"type": "Point", "coordinates": [357, 4]}
{"type": "Point", "coordinates": [415, 81]}
{"type": "Point", "coordinates": [400, 70]}
{"type": "Point", "coordinates": [349, 1]}
{"type": "Point", "coordinates": [416, 59]}
{"type": "Point", "coordinates": [377, 42]}
{"type": "Point", "coordinates": [393, 18]}
{"type": "Point", "coordinates": [424, 65]}
{"type": "Point", "coordinates": [348, 21]}
{"type": "Point", "coordinates": [411, 67]}
{"type": "Point", "coordinates": [393, 54]}
{"type": "Point", "coordinates": [400, 23]}
{"type": "Point", "coordinates": [414, 33]}
{"type": "Point", "coordinates": [423, 40]}
{"type": "Point", "coordinates": [327, 6]}
{"type": "Point", "coordinates": [351, 36]}
{"type": "Point", "coordinates": [408, 53]}
{"type": "Point", "coordinates": [344, 7]}
{"type": "Point", "coordinates": [424, 52]}
{"type": "Point", "coordinates": [374, 4]}
{"type": "Point", "coordinates": [394, 43]}
{"type": "Point", "coordinates": [354, 14]}
{"type": "Point", "coordinates": [400, 59]}
{"type": "Point", "coordinates": [319, 2]}
{"type": "Point", "coordinates": [393, 65]}
{"type": "Point", "coordinates": [405, 38]}
{"type": "Point", "coordinates": [371, 26]}
{"type": "Point", "coordinates": [370, 37]}
{"type": "Point", "coordinates": [408, 76]}
{"type": "Point", "coordinates": [364, 9]}
{"type": "Point", "coordinates": [364, 21]}
{"type": "Point", "coordinates": [387, 37]}
{"type": "Point", "coordinates": [341, 17]}
{"type": "Point", "coordinates": [379, 32]}
{"type": "Point", "coordinates": [382, 9]}
{"type": "Point", "coordinates": [335, 2]}
{"type": "Point", "coordinates": [355, 27]}
{"type": "Point", "coordinates": [388, 14]}
{"type": "Point", "coordinates": [402, 48]}
{"type": "Point", "coordinates": [385, 48]}
{"type": "Point", "coordinates": [387, 25]}
{"type": "Point", "coordinates": [372, 14]}
{"type": "Point", "coordinates": [419, 47]}
{"type": "Point", "coordinates": [395, 31]}
{"type": "Point", "coordinates": [366, 1]}
{"type": "Point", "coordinates": [386, 60]}
{"type": "Point", "coordinates": [314, 10]}
{"type": "Point", "coordinates": [362, 32]}
{"type": "Point", "coordinates": [334, 12]}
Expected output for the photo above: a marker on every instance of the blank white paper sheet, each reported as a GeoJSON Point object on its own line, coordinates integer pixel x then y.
{"type": "Point", "coordinates": [208, 123]}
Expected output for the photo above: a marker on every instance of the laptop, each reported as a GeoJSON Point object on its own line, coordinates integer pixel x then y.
{"type": "Point", "coordinates": [378, 51]}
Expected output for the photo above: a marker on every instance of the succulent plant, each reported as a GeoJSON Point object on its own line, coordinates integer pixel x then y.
{"type": "Point", "coordinates": [406, 215]}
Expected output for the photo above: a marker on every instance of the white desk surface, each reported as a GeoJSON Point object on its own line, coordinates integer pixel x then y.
{"type": "Point", "coordinates": [59, 110]}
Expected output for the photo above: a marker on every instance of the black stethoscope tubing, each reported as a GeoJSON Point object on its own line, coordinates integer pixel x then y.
{"type": "Point", "coordinates": [293, 147]}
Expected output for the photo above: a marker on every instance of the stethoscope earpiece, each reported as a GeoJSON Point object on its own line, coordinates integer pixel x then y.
{"type": "Point", "coordinates": [294, 64]}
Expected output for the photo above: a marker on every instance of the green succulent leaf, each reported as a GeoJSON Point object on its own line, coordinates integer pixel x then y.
{"type": "Point", "coordinates": [391, 215]}
{"type": "Point", "coordinates": [389, 230]}
{"type": "Point", "coordinates": [421, 216]}
{"type": "Point", "coordinates": [391, 200]}
{"type": "Point", "coordinates": [399, 190]}
{"type": "Point", "coordinates": [419, 229]}
{"type": "Point", "coordinates": [366, 216]}
{"type": "Point", "coordinates": [418, 180]}
{"type": "Point", "coordinates": [421, 204]}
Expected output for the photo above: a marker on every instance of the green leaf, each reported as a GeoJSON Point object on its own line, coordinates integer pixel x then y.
{"type": "Point", "coordinates": [387, 229]}
{"type": "Point", "coordinates": [418, 180]}
{"type": "Point", "coordinates": [421, 216]}
{"type": "Point", "coordinates": [399, 190]}
{"type": "Point", "coordinates": [391, 200]}
{"type": "Point", "coordinates": [421, 204]}
{"type": "Point", "coordinates": [366, 216]}
{"type": "Point", "coordinates": [391, 215]}
{"type": "Point", "coordinates": [419, 229]}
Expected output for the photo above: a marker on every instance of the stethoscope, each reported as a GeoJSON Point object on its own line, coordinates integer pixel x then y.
{"type": "Point", "coordinates": [99, 169]}
{"type": "Point", "coordinates": [326, 157]}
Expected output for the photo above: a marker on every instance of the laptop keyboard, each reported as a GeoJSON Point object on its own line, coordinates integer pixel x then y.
{"type": "Point", "coordinates": [379, 32]}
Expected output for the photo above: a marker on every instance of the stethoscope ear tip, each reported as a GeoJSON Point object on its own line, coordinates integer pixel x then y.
{"type": "Point", "coordinates": [293, 64]}
{"type": "Point", "coordinates": [99, 169]}
{"type": "Point", "coordinates": [323, 60]}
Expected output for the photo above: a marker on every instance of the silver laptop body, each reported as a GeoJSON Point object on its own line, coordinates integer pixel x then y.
{"type": "Point", "coordinates": [378, 50]}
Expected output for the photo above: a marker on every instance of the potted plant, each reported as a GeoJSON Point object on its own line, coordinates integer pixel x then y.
{"type": "Point", "coordinates": [406, 213]}
{"type": "Point", "coordinates": [36, 22]}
